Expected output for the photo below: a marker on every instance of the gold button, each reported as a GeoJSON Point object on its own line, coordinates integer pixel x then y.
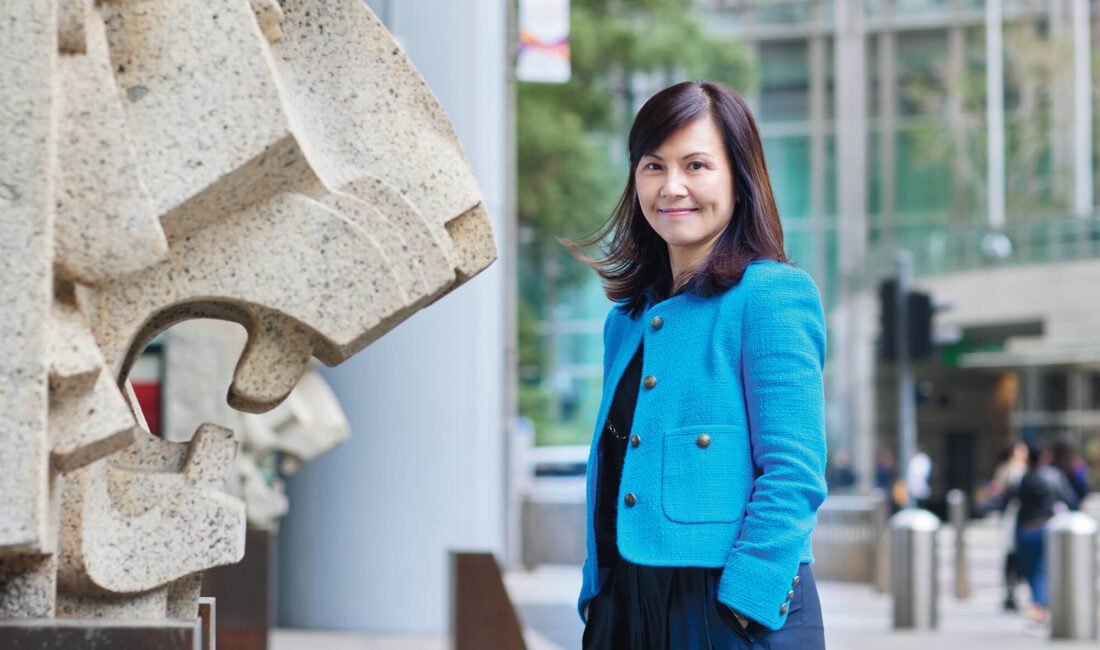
{"type": "Point", "coordinates": [658, 322]}
{"type": "Point", "coordinates": [630, 500]}
{"type": "Point", "coordinates": [703, 440]}
{"type": "Point", "coordinates": [635, 440]}
{"type": "Point", "coordinates": [790, 595]}
{"type": "Point", "coordinates": [650, 381]}
{"type": "Point", "coordinates": [783, 609]}
{"type": "Point", "coordinates": [795, 581]}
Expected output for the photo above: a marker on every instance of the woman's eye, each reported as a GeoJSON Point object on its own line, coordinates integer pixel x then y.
{"type": "Point", "coordinates": [695, 165]}
{"type": "Point", "coordinates": [652, 166]}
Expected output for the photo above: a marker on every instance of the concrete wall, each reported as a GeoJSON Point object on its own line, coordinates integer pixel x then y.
{"type": "Point", "coordinates": [1060, 294]}
{"type": "Point", "coordinates": [365, 544]}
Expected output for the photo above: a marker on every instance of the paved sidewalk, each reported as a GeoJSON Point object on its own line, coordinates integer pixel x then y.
{"type": "Point", "coordinates": [856, 617]}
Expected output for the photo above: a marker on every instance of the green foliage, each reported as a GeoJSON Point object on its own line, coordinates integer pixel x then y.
{"type": "Point", "coordinates": [570, 159]}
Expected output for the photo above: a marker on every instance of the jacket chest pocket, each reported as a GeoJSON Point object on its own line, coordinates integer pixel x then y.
{"type": "Point", "coordinates": [706, 474]}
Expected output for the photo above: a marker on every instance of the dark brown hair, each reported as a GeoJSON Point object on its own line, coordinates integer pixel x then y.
{"type": "Point", "coordinates": [634, 257]}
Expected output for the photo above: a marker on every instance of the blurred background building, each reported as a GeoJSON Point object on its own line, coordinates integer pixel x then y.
{"type": "Point", "coordinates": [884, 129]}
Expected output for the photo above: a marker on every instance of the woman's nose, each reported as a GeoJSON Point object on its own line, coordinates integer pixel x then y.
{"type": "Point", "coordinates": [673, 185]}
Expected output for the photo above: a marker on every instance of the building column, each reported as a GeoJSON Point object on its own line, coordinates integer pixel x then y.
{"type": "Point", "coordinates": [995, 113]}
{"type": "Point", "coordinates": [1082, 109]}
{"type": "Point", "coordinates": [1060, 30]}
{"type": "Point", "coordinates": [888, 127]}
{"type": "Point", "coordinates": [852, 383]}
{"type": "Point", "coordinates": [956, 82]}
{"type": "Point", "coordinates": [818, 133]}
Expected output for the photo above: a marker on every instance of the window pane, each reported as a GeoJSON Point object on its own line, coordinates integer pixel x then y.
{"type": "Point", "coordinates": [924, 181]}
{"type": "Point", "coordinates": [788, 160]}
{"type": "Point", "coordinates": [922, 72]}
{"type": "Point", "coordinates": [785, 81]}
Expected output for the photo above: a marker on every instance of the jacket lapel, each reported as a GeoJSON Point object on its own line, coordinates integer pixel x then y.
{"type": "Point", "coordinates": [628, 345]}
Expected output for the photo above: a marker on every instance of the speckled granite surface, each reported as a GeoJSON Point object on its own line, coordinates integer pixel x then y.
{"type": "Point", "coordinates": [279, 165]}
{"type": "Point", "coordinates": [199, 359]}
{"type": "Point", "coordinates": [28, 106]}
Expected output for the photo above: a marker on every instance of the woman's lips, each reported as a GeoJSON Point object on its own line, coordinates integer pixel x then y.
{"type": "Point", "coordinates": [678, 212]}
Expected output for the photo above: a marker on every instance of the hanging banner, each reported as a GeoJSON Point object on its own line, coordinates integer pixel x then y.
{"type": "Point", "coordinates": [543, 41]}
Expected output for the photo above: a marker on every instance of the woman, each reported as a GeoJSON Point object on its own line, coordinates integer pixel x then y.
{"type": "Point", "coordinates": [1001, 489]}
{"type": "Point", "coordinates": [1042, 492]}
{"type": "Point", "coordinates": [708, 460]}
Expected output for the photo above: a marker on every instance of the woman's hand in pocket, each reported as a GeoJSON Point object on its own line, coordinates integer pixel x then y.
{"type": "Point", "coordinates": [735, 621]}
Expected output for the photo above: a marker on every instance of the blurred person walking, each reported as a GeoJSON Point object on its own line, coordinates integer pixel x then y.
{"type": "Point", "coordinates": [885, 472]}
{"type": "Point", "coordinates": [707, 466]}
{"type": "Point", "coordinates": [1073, 467]}
{"type": "Point", "coordinates": [886, 479]}
{"type": "Point", "coordinates": [1011, 467]}
{"type": "Point", "coordinates": [839, 474]}
{"type": "Point", "coordinates": [918, 477]}
{"type": "Point", "coordinates": [1042, 492]}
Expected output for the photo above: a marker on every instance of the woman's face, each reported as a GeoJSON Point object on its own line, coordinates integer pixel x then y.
{"type": "Point", "coordinates": [685, 189]}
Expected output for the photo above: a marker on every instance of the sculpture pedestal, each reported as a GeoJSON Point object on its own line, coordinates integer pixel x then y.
{"type": "Point", "coordinates": [244, 594]}
{"type": "Point", "coordinates": [101, 634]}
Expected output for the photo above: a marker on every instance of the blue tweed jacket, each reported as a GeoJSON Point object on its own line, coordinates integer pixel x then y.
{"type": "Point", "coordinates": [729, 466]}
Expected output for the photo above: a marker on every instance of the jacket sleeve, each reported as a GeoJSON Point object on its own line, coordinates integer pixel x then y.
{"type": "Point", "coordinates": [783, 356]}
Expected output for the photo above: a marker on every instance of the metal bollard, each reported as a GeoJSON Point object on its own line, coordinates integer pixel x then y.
{"type": "Point", "coordinates": [957, 515]}
{"type": "Point", "coordinates": [1070, 540]}
{"type": "Point", "coordinates": [880, 519]}
{"type": "Point", "coordinates": [913, 568]}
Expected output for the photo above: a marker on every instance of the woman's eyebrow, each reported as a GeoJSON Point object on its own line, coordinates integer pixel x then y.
{"type": "Point", "coordinates": [685, 157]}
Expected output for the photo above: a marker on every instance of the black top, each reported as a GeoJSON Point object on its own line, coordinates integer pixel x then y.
{"type": "Point", "coordinates": [1038, 491]}
{"type": "Point", "coordinates": [616, 432]}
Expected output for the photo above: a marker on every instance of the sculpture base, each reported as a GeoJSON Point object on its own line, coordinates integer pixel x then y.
{"type": "Point", "coordinates": [101, 634]}
{"type": "Point", "coordinates": [245, 594]}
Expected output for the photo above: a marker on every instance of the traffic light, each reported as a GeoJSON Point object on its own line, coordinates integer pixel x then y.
{"type": "Point", "coordinates": [919, 326]}
{"type": "Point", "coordinates": [888, 316]}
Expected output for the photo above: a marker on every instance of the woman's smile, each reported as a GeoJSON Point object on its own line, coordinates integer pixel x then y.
{"type": "Point", "coordinates": [677, 212]}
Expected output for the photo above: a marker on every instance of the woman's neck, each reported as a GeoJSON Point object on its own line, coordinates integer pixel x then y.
{"type": "Point", "coordinates": [683, 263]}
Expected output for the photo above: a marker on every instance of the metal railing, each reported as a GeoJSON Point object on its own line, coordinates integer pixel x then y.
{"type": "Point", "coordinates": [955, 248]}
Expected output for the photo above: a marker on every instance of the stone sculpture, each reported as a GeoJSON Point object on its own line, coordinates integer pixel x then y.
{"type": "Point", "coordinates": [200, 354]}
{"type": "Point", "coordinates": [280, 165]}
{"type": "Point", "coordinates": [275, 444]}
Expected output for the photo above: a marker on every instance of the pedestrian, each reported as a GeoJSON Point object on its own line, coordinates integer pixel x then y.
{"type": "Point", "coordinates": [839, 474]}
{"type": "Point", "coordinates": [708, 461]}
{"type": "Point", "coordinates": [1011, 467]}
{"type": "Point", "coordinates": [918, 476]}
{"type": "Point", "coordinates": [886, 479]}
{"type": "Point", "coordinates": [1042, 492]}
{"type": "Point", "coordinates": [885, 473]}
{"type": "Point", "coordinates": [1073, 467]}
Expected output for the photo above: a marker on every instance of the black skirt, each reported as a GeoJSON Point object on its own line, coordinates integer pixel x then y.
{"type": "Point", "coordinates": [676, 608]}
